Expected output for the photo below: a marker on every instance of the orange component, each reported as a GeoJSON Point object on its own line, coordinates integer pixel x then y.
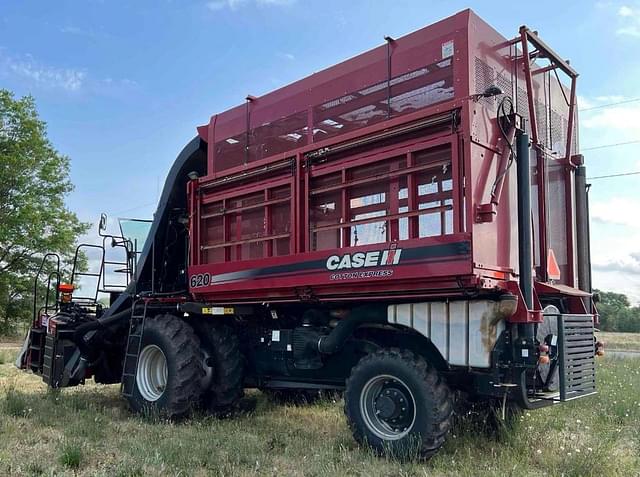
{"type": "Point", "coordinates": [553, 270]}
{"type": "Point", "coordinates": [66, 288]}
{"type": "Point", "coordinates": [544, 359]}
{"type": "Point", "coordinates": [66, 292]}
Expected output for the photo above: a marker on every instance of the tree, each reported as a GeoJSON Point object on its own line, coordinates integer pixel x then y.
{"type": "Point", "coordinates": [34, 220]}
{"type": "Point", "coordinates": [617, 314]}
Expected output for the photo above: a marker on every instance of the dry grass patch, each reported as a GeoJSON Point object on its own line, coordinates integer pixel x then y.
{"type": "Point", "coordinates": [620, 341]}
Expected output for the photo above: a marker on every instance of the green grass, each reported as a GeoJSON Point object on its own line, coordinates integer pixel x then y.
{"type": "Point", "coordinates": [620, 341]}
{"type": "Point", "coordinates": [89, 431]}
{"type": "Point", "coordinates": [5, 356]}
{"type": "Point", "coordinates": [70, 455]}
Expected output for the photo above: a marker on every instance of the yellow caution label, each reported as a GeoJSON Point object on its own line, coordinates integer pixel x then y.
{"type": "Point", "coordinates": [217, 310]}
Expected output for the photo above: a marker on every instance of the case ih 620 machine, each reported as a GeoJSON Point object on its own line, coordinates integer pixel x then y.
{"type": "Point", "coordinates": [408, 226]}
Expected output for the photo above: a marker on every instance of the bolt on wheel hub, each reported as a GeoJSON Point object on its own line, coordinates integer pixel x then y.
{"type": "Point", "coordinates": [388, 407]}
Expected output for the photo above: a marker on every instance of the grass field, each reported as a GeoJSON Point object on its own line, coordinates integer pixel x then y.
{"type": "Point", "coordinates": [620, 341]}
{"type": "Point", "coordinates": [89, 431]}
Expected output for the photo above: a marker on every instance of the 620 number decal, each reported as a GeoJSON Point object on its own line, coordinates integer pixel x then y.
{"type": "Point", "coordinates": [200, 280]}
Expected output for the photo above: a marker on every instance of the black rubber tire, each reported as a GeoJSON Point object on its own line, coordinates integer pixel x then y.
{"type": "Point", "coordinates": [181, 348]}
{"type": "Point", "coordinates": [226, 386]}
{"type": "Point", "coordinates": [434, 404]}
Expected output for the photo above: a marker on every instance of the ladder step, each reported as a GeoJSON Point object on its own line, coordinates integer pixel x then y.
{"type": "Point", "coordinates": [132, 353]}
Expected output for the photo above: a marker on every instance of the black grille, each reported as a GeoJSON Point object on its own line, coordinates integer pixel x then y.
{"type": "Point", "coordinates": [576, 349]}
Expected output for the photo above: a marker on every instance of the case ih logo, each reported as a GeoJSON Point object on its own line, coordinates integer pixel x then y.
{"type": "Point", "coordinates": [375, 258]}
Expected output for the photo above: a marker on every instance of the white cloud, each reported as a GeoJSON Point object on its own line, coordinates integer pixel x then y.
{"type": "Point", "coordinates": [220, 4]}
{"type": "Point", "coordinates": [90, 33]}
{"type": "Point", "coordinates": [215, 5]}
{"type": "Point", "coordinates": [618, 211]}
{"type": "Point", "coordinates": [275, 2]}
{"type": "Point", "coordinates": [620, 118]}
{"type": "Point", "coordinates": [631, 266]}
{"type": "Point", "coordinates": [70, 79]}
{"type": "Point", "coordinates": [286, 56]}
{"type": "Point", "coordinates": [585, 103]}
{"type": "Point", "coordinates": [615, 247]}
{"type": "Point", "coordinates": [629, 20]}
{"type": "Point", "coordinates": [625, 11]}
{"type": "Point", "coordinates": [613, 98]}
{"type": "Point", "coordinates": [48, 77]}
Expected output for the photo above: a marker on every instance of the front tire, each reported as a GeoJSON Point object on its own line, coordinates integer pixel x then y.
{"type": "Point", "coordinates": [169, 369]}
{"type": "Point", "coordinates": [397, 403]}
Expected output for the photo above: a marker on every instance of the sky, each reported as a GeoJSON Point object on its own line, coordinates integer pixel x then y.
{"type": "Point", "coordinates": [123, 85]}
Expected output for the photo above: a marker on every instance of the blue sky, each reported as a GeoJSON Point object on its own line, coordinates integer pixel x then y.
{"type": "Point", "coordinates": [122, 85]}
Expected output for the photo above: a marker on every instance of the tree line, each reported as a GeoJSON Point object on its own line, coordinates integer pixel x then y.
{"type": "Point", "coordinates": [617, 313]}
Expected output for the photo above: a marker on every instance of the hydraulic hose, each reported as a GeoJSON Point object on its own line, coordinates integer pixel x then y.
{"type": "Point", "coordinates": [83, 329]}
{"type": "Point", "coordinates": [335, 340]}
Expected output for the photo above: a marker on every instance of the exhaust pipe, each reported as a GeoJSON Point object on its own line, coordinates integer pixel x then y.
{"type": "Point", "coordinates": [335, 340]}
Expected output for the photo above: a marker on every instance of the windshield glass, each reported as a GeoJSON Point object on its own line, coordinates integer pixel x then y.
{"type": "Point", "coordinates": [135, 230]}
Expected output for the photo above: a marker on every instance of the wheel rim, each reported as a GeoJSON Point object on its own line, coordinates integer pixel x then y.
{"type": "Point", "coordinates": [152, 373]}
{"type": "Point", "coordinates": [388, 407]}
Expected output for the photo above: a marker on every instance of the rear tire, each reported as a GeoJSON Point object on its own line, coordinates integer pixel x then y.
{"type": "Point", "coordinates": [398, 404]}
{"type": "Point", "coordinates": [225, 386]}
{"type": "Point", "coordinates": [169, 369]}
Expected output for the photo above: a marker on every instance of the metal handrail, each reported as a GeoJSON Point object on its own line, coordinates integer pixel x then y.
{"type": "Point", "coordinates": [37, 277]}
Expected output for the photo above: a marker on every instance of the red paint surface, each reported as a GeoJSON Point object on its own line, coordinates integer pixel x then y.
{"type": "Point", "coordinates": [303, 211]}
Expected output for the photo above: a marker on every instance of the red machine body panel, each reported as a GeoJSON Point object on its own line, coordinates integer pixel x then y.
{"type": "Point", "coordinates": [363, 181]}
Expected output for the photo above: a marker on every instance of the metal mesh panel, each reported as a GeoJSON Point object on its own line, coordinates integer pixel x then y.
{"type": "Point", "coordinates": [504, 83]}
{"type": "Point", "coordinates": [230, 152]}
{"type": "Point", "coordinates": [278, 136]}
{"type": "Point", "coordinates": [542, 123]}
{"type": "Point", "coordinates": [522, 105]}
{"type": "Point", "coordinates": [558, 139]}
{"type": "Point", "coordinates": [421, 88]}
{"type": "Point", "coordinates": [367, 106]}
{"type": "Point", "coordinates": [350, 112]}
{"type": "Point", "coordinates": [484, 77]}
{"type": "Point", "coordinates": [557, 216]}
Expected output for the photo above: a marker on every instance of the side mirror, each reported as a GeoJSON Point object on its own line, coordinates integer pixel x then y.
{"type": "Point", "coordinates": [102, 225]}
